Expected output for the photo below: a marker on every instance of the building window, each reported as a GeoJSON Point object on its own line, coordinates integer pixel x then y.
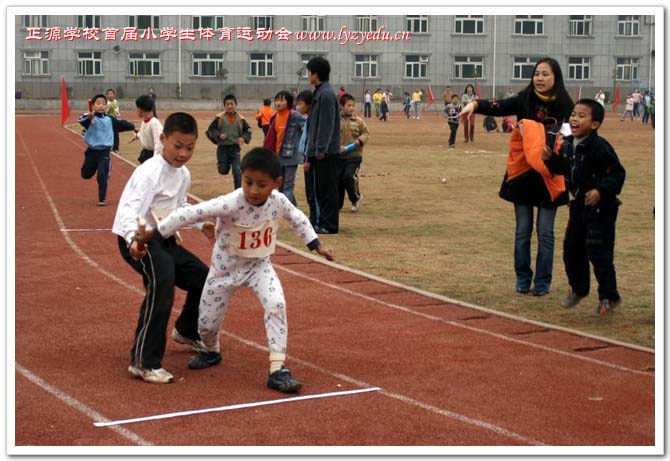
{"type": "Point", "coordinates": [313, 23]}
{"type": "Point", "coordinates": [304, 59]}
{"type": "Point", "coordinates": [416, 66]}
{"type": "Point", "coordinates": [88, 22]}
{"type": "Point", "coordinates": [626, 68]}
{"type": "Point", "coordinates": [628, 26]}
{"type": "Point", "coordinates": [580, 26]}
{"type": "Point", "coordinates": [261, 22]}
{"type": "Point", "coordinates": [207, 64]}
{"type": "Point", "coordinates": [366, 66]}
{"type": "Point", "coordinates": [260, 65]}
{"type": "Point", "coordinates": [207, 22]}
{"type": "Point", "coordinates": [417, 24]}
{"type": "Point", "coordinates": [89, 64]}
{"type": "Point", "coordinates": [144, 22]}
{"type": "Point", "coordinates": [35, 21]}
{"type": "Point", "coordinates": [367, 23]}
{"type": "Point", "coordinates": [579, 68]}
{"type": "Point", "coordinates": [468, 67]}
{"type": "Point", "coordinates": [36, 63]}
{"type": "Point", "coordinates": [523, 67]}
{"type": "Point", "coordinates": [529, 25]}
{"type": "Point", "coordinates": [469, 25]}
{"type": "Point", "coordinates": [144, 64]}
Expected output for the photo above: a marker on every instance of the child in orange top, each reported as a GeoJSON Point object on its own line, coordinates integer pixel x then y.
{"type": "Point", "coordinates": [283, 138]}
{"type": "Point", "coordinates": [264, 114]}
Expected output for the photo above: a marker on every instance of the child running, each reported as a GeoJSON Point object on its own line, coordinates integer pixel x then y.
{"type": "Point", "coordinates": [158, 185]}
{"type": "Point", "coordinates": [99, 133]}
{"type": "Point", "coordinates": [595, 178]}
{"type": "Point", "coordinates": [246, 233]}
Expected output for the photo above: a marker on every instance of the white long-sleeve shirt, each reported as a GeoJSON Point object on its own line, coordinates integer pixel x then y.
{"type": "Point", "coordinates": [149, 135]}
{"type": "Point", "coordinates": [244, 232]}
{"type": "Point", "coordinates": [154, 185]}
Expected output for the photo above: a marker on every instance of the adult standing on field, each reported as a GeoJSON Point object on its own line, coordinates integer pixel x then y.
{"type": "Point", "coordinates": [544, 100]}
{"type": "Point", "coordinates": [416, 102]}
{"type": "Point", "coordinates": [468, 122]}
{"type": "Point", "coordinates": [323, 144]}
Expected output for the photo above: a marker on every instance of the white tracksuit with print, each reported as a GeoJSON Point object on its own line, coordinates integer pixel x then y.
{"type": "Point", "coordinates": [245, 239]}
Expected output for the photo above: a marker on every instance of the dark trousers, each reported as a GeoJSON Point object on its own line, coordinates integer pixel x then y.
{"type": "Point", "coordinates": [452, 134]}
{"type": "Point", "coordinates": [265, 129]}
{"type": "Point", "coordinates": [310, 193]}
{"type": "Point", "coordinates": [115, 147]}
{"type": "Point", "coordinates": [367, 108]}
{"type": "Point", "coordinates": [100, 161]}
{"type": "Point", "coordinates": [590, 237]}
{"type": "Point", "coordinates": [347, 173]}
{"type": "Point", "coordinates": [326, 193]}
{"type": "Point", "coordinates": [145, 154]}
{"type": "Point", "coordinates": [406, 110]}
{"type": "Point", "coordinates": [227, 158]}
{"type": "Point", "coordinates": [165, 266]}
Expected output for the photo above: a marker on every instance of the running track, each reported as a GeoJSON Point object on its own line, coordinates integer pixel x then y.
{"type": "Point", "coordinates": [450, 374]}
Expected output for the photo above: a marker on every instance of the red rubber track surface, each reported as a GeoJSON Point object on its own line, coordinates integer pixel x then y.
{"type": "Point", "coordinates": [450, 375]}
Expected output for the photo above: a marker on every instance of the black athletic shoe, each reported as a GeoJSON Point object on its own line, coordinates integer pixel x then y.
{"type": "Point", "coordinates": [283, 381]}
{"type": "Point", "coordinates": [204, 359]}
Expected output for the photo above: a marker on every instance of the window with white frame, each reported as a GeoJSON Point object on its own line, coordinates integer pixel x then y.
{"type": "Point", "coordinates": [144, 64]}
{"type": "Point", "coordinates": [35, 21]}
{"type": "Point", "coordinates": [88, 21]}
{"type": "Point", "coordinates": [261, 65]}
{"type": "Point", "coordinates": [207, 64]}
{"type": "Point", "coordinates": [144, 22]}
{"type": "Point", "coordinates": [529, 25]}
{"type": "Point", "coordinates": [417, 24]}
{"type": "Point", "coordinates": [469, 24]}
{"type": "Point", "coordinates": [579, 68]}
{"type": "Point", "coordinates": [36, 63]}
{"type": "Point", "coordinates": [365, 66]}
{"type": "Point", "coordinates": [313, 23]}
{"type": "Point", "coordinates": [205, 22]}
{"type": "Point", "coordinates": [628, 26]}
{"type": "Point", "coordinates": [367, 23]}
{"type": "Point", "coordinates": [89, 63]}
{"type": "Point", "coordinates": [580, 26]}
{"type": "Point", "coordinates": [523, 67]}
{"type": "Point", "coordinates": [626, 68]}
{"type": "Point", "coordinates": [416, 66]}
{"type": "Point", "coordinates": [304, 59]}
{"type": "Point", "coordinates": [261, 22]}
{"type": "Point", "coordinates": [468, 67]}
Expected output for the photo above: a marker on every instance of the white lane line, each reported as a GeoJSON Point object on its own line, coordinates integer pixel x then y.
{"type": "Point", "coordinates": [79, 406]}
{"type": "Point", "coordinates": [238, 406]}
{"type": "Point", "coordinates": [468, 327]}
{"type": "Point", "coordinates": [86, 230]}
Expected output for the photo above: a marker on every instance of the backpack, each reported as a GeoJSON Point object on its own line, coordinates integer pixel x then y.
{"type": "Point", "coordinates": [507, 125]}
{"type": "Point", "coordinates": [219, 125]}
{"type": "Point", "coordinates": [490, 123]}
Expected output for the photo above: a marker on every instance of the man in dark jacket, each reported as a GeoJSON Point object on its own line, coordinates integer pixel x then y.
{"type": "Point", "coordinates": [323, 144]}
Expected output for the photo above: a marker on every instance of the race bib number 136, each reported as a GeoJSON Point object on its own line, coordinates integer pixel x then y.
{"type": "Point", "coordinates": [256, 242]}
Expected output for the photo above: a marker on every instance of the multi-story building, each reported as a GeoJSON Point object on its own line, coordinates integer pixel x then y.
{"type": "Point", "coordinates": [256, 56]}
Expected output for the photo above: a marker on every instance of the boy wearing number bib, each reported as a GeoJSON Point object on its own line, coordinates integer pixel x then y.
{"type": "Point", "coordinates": [246, 232]}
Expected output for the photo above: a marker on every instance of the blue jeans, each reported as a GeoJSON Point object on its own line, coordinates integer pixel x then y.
{"type": "Point", "coordinates": [545, 250]}
{"type": "Point", "coordinates": [288, 183]}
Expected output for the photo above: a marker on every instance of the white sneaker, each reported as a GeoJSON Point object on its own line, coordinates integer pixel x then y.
{"type": "Point", "coordinates": [157, 376]}
{"type": "Point", "coordinates": [197, 346]}
{"type": "Point", "coordinates": [357, 205]}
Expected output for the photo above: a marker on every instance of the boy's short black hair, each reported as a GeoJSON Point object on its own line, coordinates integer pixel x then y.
{"type": "Point", "coordinates": [145, 102]}
{"type": "Point", "coordinates": [110, 89]}
{"type": "Point", "coordinates": [286, 96]}
{"type": "Point", "coordinates": [454, 96]}
{"type": "Point", "coordinates": [230, 97]}
{"type": "Point", "coordinates": [320, 66]}
{"type": "Point", "coordinates": [97, 96]}
{"type": "Point", "coordinates": [306, 96]}
{"type": "Point", "coordinates": [267, 101]}
{"type": "Point", "coordinates": [597, 110]}
{"type": "Point", "coordinates": [345, 98]}
{"type": "Point", "coordinates": [262, 159]}
{"type": "Point", "coordinates": [181, 122]}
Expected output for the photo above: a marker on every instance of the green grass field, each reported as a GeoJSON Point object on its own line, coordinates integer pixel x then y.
{"type": "Point", "coordinates": [456, 238]}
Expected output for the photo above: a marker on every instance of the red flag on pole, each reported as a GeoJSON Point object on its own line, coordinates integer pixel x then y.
{"type": "Point", "coordinates": [617, 98]}
{"type": "Point", "coordinates": [431, 98]}
{"type": "Point", "coordinates": [64, 103]}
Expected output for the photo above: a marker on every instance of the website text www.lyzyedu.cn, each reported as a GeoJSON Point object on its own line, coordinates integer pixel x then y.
{"type": "Point", "coordinates": [344, 36]}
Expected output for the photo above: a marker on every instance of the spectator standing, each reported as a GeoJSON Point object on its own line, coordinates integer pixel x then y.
{"type": "Point", "coordinates": [469, 122]}
{"type": "Point", "coordinates": [416, 102]}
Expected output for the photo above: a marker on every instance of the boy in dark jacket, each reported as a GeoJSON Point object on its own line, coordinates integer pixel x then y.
{"type": "Point", "coordinates": [595, 178]}
{"type": "Point", "coordinates": [230, 130]}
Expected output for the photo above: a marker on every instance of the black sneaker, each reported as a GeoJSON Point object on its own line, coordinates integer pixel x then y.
{"type": "Point", "coordinates": [571, 299]}
{"type": "Point", "coordinates": [607, 306]}
{"type": "Point", "coordinates": [204, 359]}
{"type": "Point", "coordinates": [282, 381]}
